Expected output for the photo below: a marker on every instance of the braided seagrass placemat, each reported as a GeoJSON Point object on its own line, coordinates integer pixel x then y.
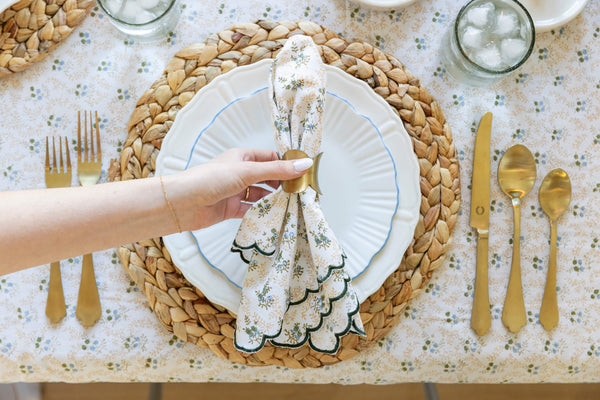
{"type": "Point", "coordinates": [29, 29]}
{"type": "Point", "coordinates": [182, 308]}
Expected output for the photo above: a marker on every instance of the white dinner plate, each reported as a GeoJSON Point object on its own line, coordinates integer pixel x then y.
{"type": "Point", "coordinates": [551, 14]}
{"type": "Point", "coordinates": [369, 176]}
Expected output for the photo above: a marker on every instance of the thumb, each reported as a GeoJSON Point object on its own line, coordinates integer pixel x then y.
{"type": "Point", "coordinates": [279, 170]}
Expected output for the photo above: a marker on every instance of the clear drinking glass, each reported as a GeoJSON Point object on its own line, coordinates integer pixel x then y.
{"type": "Point", "coordinates": [488, 40]}
{"type": "Point", "coordinates": [142, 19]}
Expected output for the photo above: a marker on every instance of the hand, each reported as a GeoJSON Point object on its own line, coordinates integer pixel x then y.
{"type": "Point", "coordinates": [215, 191]}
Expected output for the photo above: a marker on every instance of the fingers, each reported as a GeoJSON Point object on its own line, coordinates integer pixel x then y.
{"type": "Point", "coordinates": [254, 172]}
{"type": "Point", "coordinates": [257, 155]}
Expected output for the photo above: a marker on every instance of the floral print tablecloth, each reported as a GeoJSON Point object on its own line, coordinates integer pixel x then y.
{"type": "Point", "coordinates": [550, 105]}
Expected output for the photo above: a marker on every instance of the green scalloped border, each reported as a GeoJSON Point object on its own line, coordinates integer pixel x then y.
{"type": "Point", "coordinates": [350, 328]}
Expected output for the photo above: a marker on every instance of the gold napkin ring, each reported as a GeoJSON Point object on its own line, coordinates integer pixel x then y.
{"type": "Point", "coordinates": [310, 178]}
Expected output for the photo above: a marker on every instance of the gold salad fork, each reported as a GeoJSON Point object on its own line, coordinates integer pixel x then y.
{"type": "Point", "coordinates": [56, 177]}
{"type": "Point", "coordinates": [88, 171]}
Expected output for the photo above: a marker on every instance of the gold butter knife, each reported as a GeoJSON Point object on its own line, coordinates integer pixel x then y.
{"type": "Point", "coordinates": [481, 318]}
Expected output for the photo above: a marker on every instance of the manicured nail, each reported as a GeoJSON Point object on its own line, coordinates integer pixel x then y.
{"type": "Point", "coordinates": [303, 164]}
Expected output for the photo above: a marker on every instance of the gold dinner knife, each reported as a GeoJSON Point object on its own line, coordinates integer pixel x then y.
{"type": "Point", "coordinates": [481, 318]}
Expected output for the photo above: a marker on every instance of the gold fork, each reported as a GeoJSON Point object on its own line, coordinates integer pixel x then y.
{"type": "Point", "coordinates": [56, 177]}
{"type": "Point", "coordinates": [88, 171]}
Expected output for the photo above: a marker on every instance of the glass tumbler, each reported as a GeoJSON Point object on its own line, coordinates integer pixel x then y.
{"type": "Point", "coordinates": [488, 40]}
{"type": "Point", "coordinates": [145, 20]}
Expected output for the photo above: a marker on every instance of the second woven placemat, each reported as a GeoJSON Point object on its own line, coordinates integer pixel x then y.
{"type": "Point", "coordinates": [181, 307]}
{"type": "Point", "coordinates": [29, 29]}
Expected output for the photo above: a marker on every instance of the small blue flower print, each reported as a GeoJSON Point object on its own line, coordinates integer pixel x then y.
{"type": "Point", "coordinates": [496, 260]}
{"type": "Point", "coordinates": [23, 315]}
{"type": "Point", "coordinates": [96, 13]}
{"type": "Point", "coordinates": [89, 345]}
{"type": "Point", "coordinates": [34, 145]}
{"type": "Point", "coordinates": [557, 135]}
{"type": "Point", "coordinates": [496, 205]}
{"type": "Point", "coordinates": [53, 121]}
{"type": "Point", "coordinates": [420, 43]}
{"type": "Point", "coordinates": [458, 100]}
{"type": "Point", "coordinates": [410, 313]}
{"type": "Point", "coordinates": [540, 158]}
{"type": "Point", "coordinates": [578, 211]}
{"type": "Point", "coordinates": [543, 54]}
{"type": "Point", "coordinates": [512, 346]}
{"type": "Point", "coordinates": [580, 160]}
{"type": "Point", "coordinates": [358, 14]}
{"type": "Point", "coordinates": [440, 71]}
{"type": "Point", "coordinates": [407, 366]}
{"type": "Point", "coordinates": [80, 90]}
{"type": "Point", "coordinates": [439, 18]}
{"type": "Point", "coordinates": [35, 93]}
{"type": "Point", "coordinates": [539, 106]}
{"type": "Point", "coordinates": [394, 15]}
{"type": "Point", "coordinates": [274, 14]}
{"type": "Point", "coordinates": [42, 344]}
{"type": "Point", "coordinates": [521, 77]}
{"type": "Point", "coordinates": [171, 38]}
{"type": "Point", "coordinates": [57, 65]}
{"type": "Point", "coordinates": [5, 347]}
{"type": "Point", "coordinates": [69, 367]}
{"type": "Point", "coordinates": [144, 67]}
{"type": "Point", "coordinates": [533, 369]}
{"type": "Point", "coordinates": [123, 94]}
{"type": "Point", "coordinates": [132, 342]}
{"type": "Point", "coordinates": [551, 347]}
{"type": "Point", "coordinates": [572, 370]}
{"type": "Point", "coordinates": [433, 289]}
{"type": "Point", "coordinates": [104, 65]}
{"type": "Point", "coordinates": [454, 263]}
{"type": "Point", "coordinates": [580, 106]}
{"type": "Point", "coordinates": [576, 316]}
{"type": "Point", "coordinates": [176, 342]}
{"type": "Point", "coordinates": [578, 265]}
{"type": "Point", "coordinates": [537, 263]}
{"type": "Point", "coordinates": [26, 369]}
{"type": "Point", "coordinates": [366, 365]}
{"type": "Point", "coordinates": [113, 366]}
{"type": "Point", "coordinates": [85, 37]}
{"type": "Point", "coordinates": [451, 318]}
{"type": "Point", "coordinates": [582, 55]}
{"type": "Point", "coordinates": [518, 134]}
{"type": "Point", "coordinates": [558, 80]}
{"type": "Point", "coordinates": [112, 315]}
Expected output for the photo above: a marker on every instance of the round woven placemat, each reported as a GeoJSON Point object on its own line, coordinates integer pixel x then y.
{"type": "Point", "coordinates": [29, 29]}
{"type": "Point", "coordinates": [181, 307]}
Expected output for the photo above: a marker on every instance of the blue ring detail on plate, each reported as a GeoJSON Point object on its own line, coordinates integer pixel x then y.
{"type": "Point", "coordinates": [356, 112]}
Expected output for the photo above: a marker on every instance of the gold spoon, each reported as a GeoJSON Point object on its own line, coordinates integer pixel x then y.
{"type": "Point", "coordinates": [516, 176]}
{"type": "Point", "coordinates": [555, 196]}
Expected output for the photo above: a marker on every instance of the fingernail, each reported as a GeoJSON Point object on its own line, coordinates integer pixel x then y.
{"type": "Point", "coordinates": [303, 164]}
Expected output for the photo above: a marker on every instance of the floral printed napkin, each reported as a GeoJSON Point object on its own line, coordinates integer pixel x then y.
{"type": "Point", "coordinates": [296, 289]}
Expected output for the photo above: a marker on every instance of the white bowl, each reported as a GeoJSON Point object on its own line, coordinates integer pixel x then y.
{"type": "Point", "coordinates": [550, 14]}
